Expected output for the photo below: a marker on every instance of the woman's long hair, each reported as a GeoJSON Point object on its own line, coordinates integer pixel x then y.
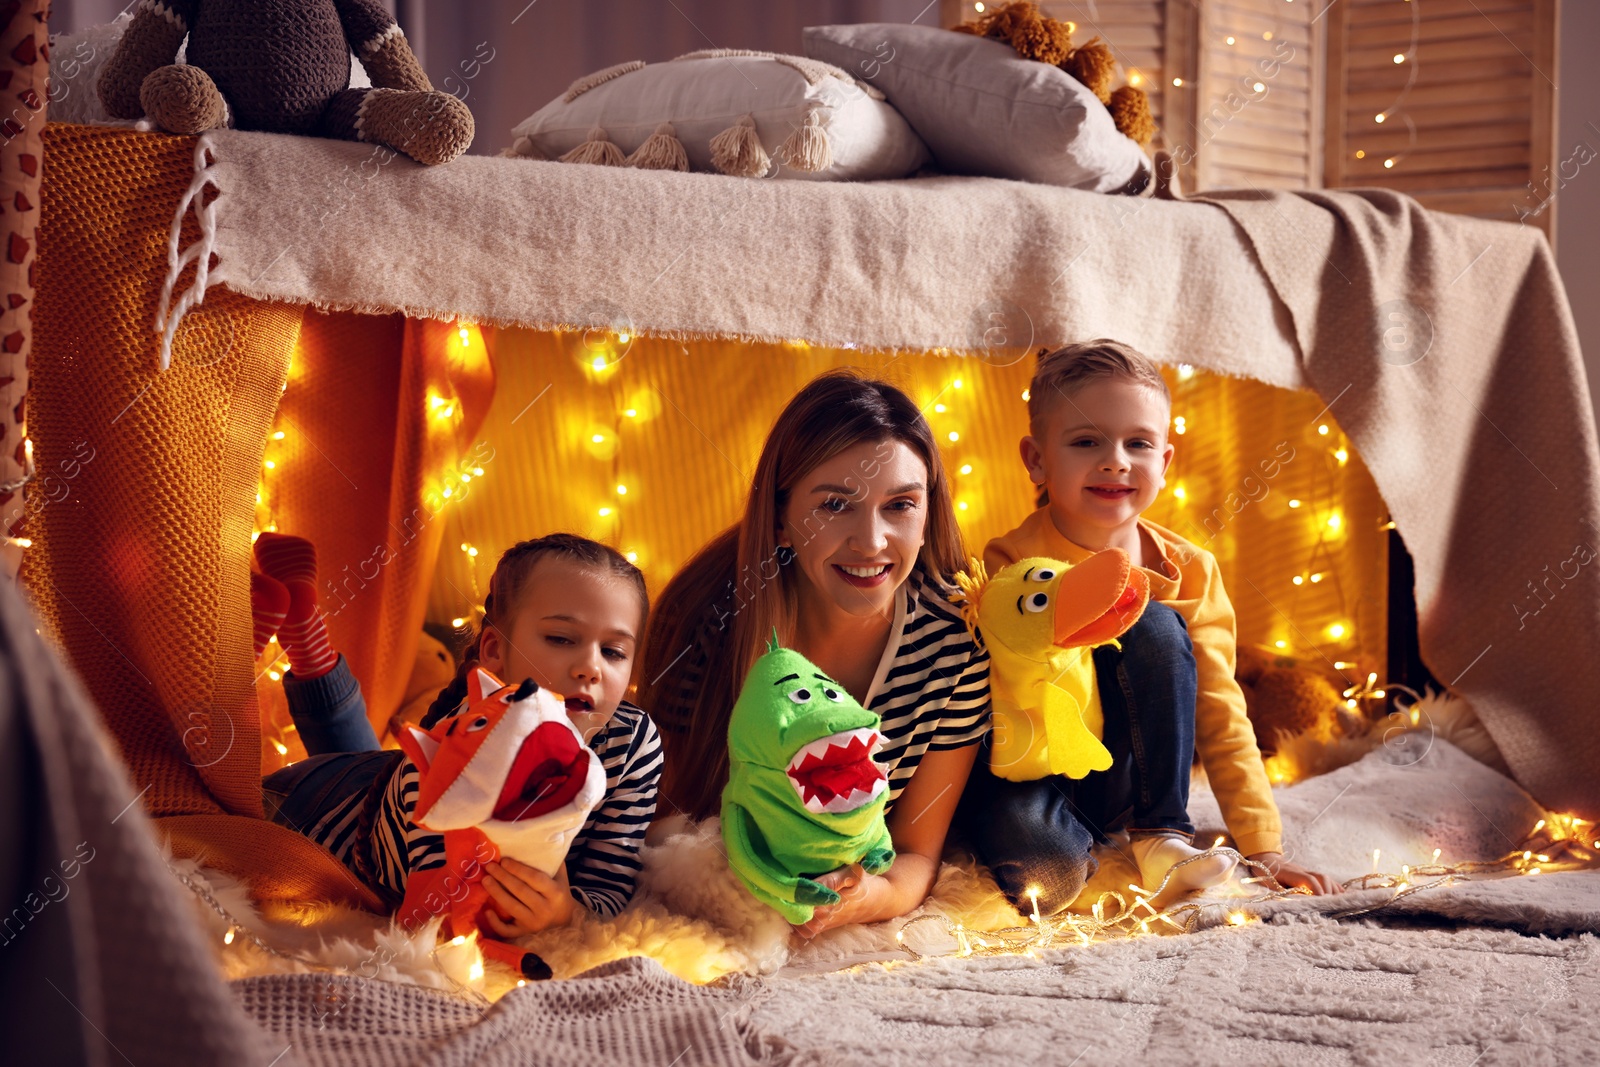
{"type": "Point", "coordinates": [714, 618]}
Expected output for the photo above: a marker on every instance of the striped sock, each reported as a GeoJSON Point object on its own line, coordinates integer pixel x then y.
{"type": "Point", "coordinates": [269, 603]}
{"type": "Point", "coordinates": [303, 635]}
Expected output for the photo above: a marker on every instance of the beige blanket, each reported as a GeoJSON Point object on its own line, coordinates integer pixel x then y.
{"type": "Point", "coordinates": [1446, 349]}
{"type": "Point", "coordinates": [1442, 344]}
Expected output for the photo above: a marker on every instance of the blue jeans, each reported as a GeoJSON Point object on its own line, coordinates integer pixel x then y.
{"type": "Point", "coordinates": [1040, 833]}
{"type": "Point", "coordinates": [344, 757]}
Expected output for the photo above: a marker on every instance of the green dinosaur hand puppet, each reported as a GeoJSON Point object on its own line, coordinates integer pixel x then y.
{"type": "Point", "coordinates": [804, 795]}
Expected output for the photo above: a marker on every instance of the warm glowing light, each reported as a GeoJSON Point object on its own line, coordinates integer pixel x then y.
{"type": "Point", "coordinates": [1025, 396]}
{"type": "Point", "coordinates": [227, 938]}
{"type": "Point", "coordinates": [622, 490]}
{"type": "Point", "coordinates": [1280, 644]}
{"type": "Point", "coordinates": [604, 512]}
{"type": "Point", "coordinates": [966, 468]}
{"type": "Point", "coordinates": [1379, 117]}
{"type": "Point", "coordinates": [978, 7]}
{"type": "Point", "coordinates": [283, 749]}
{"type": "Point", "coordinates": [1238, 918]}
{"type": "Point", "coordinates": [274, 675]}
{"type": "Point", "coordinates": [632, 557]}
{"type": "Point", "coordinates": [1399, 57]}
{"type": "Point", "coordinates": [1266, 35]}
{"type": "Point", "coordinates": [1177, 81]}
{"type": "Point", "coordinates": [1259, 87]}
{"type": "Point", "coordinates": [1228, 40]}
{"type": "Point", "coordinates": [954, 436]}
{"type": "Point", "coordinates": [599, 363]}
{"type": "Point", "coordinates": [458, 622]}
{"type": "Point", "coordinates": [939, 409]}
{"type": "Point", "coordinates": [1388, 164]}
{"type": "Point", "coordinates": [1134, 77]}
{"type": "Point", "coordinates": [458, 940]}
{"type": "Point", "coordinates": [278, 436]}
{"type": "Point", "coordinates": [624, 337]}
{"type": "Point", "coordinates": [957, 383]}
{"type": "Point", "coordinates": [961, 505]}
{"type": "Point", "coordinates": [1375, 853]}
{"type": "Point", "coordinates": [632, 413]}
{"type": "Point", "coordinates": [1294, 503]}
{"type": "Point", "coordinates": [1361, 154]}
{"type": "Point", "coordinates": [445, 492]}
{"type": "Point", "coordinates": [1316, 576]}
{"type": "Point", "coordinates": [475, 972]}
{"type": "Point", "coordinates": [1337, 630]}
{"type": "Point", "coordinates": [271, 465]}
{"type": "Point", "coordinates": [1341, 455]}
{"type": "Point", "coordinates": [1180, 492]}
{"type": "Point", "coordinates": [1335, 521]}
{"type": "Point", "coordinates": [1298, 580]}
{"type": "Point", "coordinates": [598, 438]}
{"type": "Point", "coordinates": [1185, 371]}
{"type": "Point", "coordinates": [1323, 429]}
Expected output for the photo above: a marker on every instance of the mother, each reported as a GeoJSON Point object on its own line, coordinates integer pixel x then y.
{"type": "Point", "coordinates": [849, 546]}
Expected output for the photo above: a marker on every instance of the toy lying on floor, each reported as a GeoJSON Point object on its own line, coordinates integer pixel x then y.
{"type": "Point", "coordinates": [804, 795]}
{"type": "Point", "coordinates": [1040, 619]}
{"type": "Point", "coordinates": [509, 776]}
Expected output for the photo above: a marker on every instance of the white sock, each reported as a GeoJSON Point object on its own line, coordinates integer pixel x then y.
{"type": "Point", "coordinates": [1156, 855]}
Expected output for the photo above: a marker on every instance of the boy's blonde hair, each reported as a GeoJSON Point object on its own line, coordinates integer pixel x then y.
{"type": "Point", "coordinates": [1065, 370]}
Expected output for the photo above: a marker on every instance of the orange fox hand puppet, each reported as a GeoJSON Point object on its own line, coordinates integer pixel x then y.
{"type": "Point", "coordinates": [509, 776]}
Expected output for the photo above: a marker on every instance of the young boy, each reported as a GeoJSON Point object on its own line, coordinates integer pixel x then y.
{"type": "Point", "coordinates": [1097, 446]}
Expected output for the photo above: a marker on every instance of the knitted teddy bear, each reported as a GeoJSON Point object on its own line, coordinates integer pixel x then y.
{"type": "Point", "coordinates": [1040, 37]}
{"type": "Point", "coordinates": [1285, 697]}
{"type": "Point", "coordinates": [282, 66]}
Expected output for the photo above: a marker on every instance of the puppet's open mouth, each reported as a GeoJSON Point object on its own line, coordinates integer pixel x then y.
{"type": "Point", "coordinates": [836, 774]}
{"type": "Point", "coordinates": [1126, 602]}
{"type": "Point", "coordinates": [548, 772]}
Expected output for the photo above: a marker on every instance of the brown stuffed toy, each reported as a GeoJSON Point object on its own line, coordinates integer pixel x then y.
{"type": "Point", "coordinates": [1047, 40]}
{"type": "Point", "coordinates": [1285, 697]}
{"type": "Point", "coordinates": [282, 66]}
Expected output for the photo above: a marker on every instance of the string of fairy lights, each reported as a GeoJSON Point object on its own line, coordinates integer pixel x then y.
{"type": "Point", "coordinates": [1557, 842]}
{"type": "Point", "coordinates": [442, 410]}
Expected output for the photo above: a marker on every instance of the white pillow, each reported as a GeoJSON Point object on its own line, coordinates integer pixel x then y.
{"type": "Point", "coordinates": [770, 115]}
{"type": "Point", "coordinates": [983, 109]}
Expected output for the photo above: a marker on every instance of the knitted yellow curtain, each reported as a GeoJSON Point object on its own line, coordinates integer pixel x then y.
{"type": "Point", "coordinates": [140, 571]}
{"type": "Point", "coordinates": [580, 417]}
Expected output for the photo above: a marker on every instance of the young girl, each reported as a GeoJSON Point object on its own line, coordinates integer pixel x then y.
{"type": "Point", "coordinates": [563, 610]}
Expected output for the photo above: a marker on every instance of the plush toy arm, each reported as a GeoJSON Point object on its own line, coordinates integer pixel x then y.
{"type": "Point", "coordinates": [150, 41]}
{"type": "Point", "coordinates": [879, 857]}
{"type": "Point", "coordinates": [376, 40]}
{"type": "Point", "coordinates": [791, 896]}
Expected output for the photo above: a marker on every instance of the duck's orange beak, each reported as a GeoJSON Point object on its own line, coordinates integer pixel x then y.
{"type": "Point", "coordinates": [1099, 599]}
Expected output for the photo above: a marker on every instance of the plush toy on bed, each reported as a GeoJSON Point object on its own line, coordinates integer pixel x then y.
{"type": "Point", "coordinates": [804, 795]}
{"type": "Point", "coordinates": [1040, 37]}
{"type": "Point", "coordinates": [282, 66]}
{"type": "Point", "coordinates": [1039, 620]}
{"type": "Point", "coordinates": [509, 776]}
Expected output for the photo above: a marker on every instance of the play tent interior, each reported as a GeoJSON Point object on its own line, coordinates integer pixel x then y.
{"type": "Point", "coordinates": [415, 367]}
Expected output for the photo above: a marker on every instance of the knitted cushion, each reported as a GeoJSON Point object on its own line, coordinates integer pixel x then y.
{"type": "Point", "coordinates": [983, 109]}
{"type": "Point", "coordinates": [752, 114]}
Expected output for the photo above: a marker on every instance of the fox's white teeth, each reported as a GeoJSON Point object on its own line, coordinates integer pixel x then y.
{"type": "Point", "coordinates": [865, 572]}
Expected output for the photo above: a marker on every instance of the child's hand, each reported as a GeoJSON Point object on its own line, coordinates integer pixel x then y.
{"type": "Point", "coordinates": [1291, 874]}
{"type": "Point", "coordinates": [526, 900]}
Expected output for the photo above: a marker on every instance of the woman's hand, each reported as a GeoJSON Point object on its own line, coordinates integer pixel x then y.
{"type": "Point", "coordinates": [855, 888]}
{"type": "Point", "coordinates": [1290, 874]}
{"type": "Point", "coordinates": [526, 900]}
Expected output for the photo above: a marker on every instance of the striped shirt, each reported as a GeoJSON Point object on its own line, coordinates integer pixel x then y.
{"type": "Point", "coordinates": [931, 688]}
{"type": "Point", "coordinates": [602, 862]}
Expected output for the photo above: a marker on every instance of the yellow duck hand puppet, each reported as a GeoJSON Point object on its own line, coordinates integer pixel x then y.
{"type": "Point", "coordinates": [1040, 619]}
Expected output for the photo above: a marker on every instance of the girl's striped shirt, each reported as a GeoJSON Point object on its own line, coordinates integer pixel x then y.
{"type": "Point", "coordinates": [603, 861]}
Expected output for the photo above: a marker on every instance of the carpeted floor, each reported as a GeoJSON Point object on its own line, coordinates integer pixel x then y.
{"type": "Point", "coordinates": [1301, 991]}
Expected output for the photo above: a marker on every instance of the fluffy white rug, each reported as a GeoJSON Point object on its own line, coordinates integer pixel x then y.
{"type": "Point", "coordinates": [1412, 792]}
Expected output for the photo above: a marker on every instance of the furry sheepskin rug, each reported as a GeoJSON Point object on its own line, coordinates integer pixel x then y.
{"type": "Point", "coordinates": [1404, 789]}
